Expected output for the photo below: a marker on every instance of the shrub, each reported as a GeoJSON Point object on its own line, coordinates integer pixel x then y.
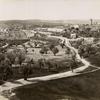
{"type": "Point", "coordinates": [55, 51]}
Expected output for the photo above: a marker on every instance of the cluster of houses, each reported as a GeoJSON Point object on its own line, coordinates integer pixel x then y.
{"type": "Point", "coordinates": [5, 31]}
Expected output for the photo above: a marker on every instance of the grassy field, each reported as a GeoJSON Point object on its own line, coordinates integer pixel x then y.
{"type": "Point", "coordinates": [36, 54]}
{"type": "Point", "coordinates": [83, 87]}
{"type": "Point", "coordinates": [94, 59]}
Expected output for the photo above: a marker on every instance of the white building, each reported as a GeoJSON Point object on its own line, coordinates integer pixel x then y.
{"type": "Point", "coordinates": [55, 29]}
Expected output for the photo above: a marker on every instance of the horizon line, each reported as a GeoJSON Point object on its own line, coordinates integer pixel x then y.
{"type": "Point", "coordinates": [49, 19]}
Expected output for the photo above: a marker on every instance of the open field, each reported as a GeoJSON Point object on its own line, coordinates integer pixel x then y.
{"type": "Point", "coordinates": [36, 54]}
{"type": "Point", "coordinates": [95, 60]}
{"type": "Point", "coordinates": [83, 87]}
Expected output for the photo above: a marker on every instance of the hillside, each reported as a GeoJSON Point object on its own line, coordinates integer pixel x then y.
{"type": "Point", "coordinates": [53, 22]}
{"type": "Point", "coordinates": [83, 87]}
{"type": "Point", "coordinates": [13, 35]}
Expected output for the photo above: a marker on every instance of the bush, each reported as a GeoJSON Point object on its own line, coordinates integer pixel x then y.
{"type": "Point", "coordinates": [44, 50]}
{"type": "Point", "coordinates": [51, 46]}
{"type": "Point", "coordinates": [55, 51]}
{"type": "Point", "coordinates": [41, 51]}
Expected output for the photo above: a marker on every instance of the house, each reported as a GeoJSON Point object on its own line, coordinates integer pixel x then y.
{"type": "Point", "coordinates": [73, 36]}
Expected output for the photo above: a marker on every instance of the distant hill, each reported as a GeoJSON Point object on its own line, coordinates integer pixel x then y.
{"type": "Point", "coordinates": [32, 22]}
{"type": "Point", "coordinates": [55, 22]}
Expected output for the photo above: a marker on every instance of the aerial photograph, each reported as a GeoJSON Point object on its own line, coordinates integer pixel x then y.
{"type": "Point", "coordinates": [49, 50]}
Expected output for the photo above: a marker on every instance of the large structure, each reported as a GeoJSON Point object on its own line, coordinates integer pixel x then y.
{"type": "Point", "coordinates": [91, 20]}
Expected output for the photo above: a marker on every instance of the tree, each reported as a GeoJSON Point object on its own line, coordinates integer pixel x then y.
{"type": "Point", "coordinates": [62, 45]}
{"type": "Point", "coordinates": [41, 62]}
{"type": "Point", "coordinates": [44, 50]}
{"type": "Point", "coordinates": [7, 69]}
{"type": "Point", "coordinates": [25, 48]}
{"type": "Point", "coordinates": [67, 50]}
{"type": "Point", "coordinates": [16, 53]}
{"type": "Point", "coordinates": [73, 64]}
{"type": "Point", "coordinates": [35, 44]}
{"type": "Point", "coordinates": [7, 61]}
{"type": "Point", "coordinates": [20, 54]}
{"type": "Point", "coordinates": [11, 56]}
{"type": "Point", "coordinates": [66, 33]}
{"type": "Point", "coordinates": [41, 51]}
{"type": "Point", "coordinates": [21, 58]}
{"type": "Point", "coordinates": [30, 66]}
{"type": "Point", "coordinates": [55, 51]}
{"type": "Point", "coordinates": [51, 46]}
{"type": "Point", "coordinates": [25, 72]}
{"type": "Point", "coordinates": [49, 64]}
{"type": "Point", "coordinates": [81, 50]}
{"type": "Point", "coordinates": [2, 57]}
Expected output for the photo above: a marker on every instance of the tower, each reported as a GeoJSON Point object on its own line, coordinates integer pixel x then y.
{"type": "Point", "coordinates": [91, 20]}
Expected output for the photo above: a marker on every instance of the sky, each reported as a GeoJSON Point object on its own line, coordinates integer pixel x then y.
{"type": "Point", "coordinates": [49, 9]}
